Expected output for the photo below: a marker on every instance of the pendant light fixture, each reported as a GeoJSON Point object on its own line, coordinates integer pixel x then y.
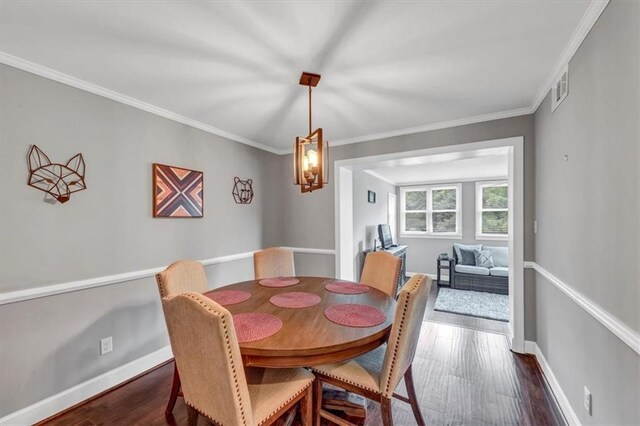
{"type": "Point", "coordinates": [310, 153]}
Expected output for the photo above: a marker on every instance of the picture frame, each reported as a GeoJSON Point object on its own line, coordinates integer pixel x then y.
{"type": "Point", "coordinates": [371, 197]}
{"type": "Point", "coordinates": [177, 192]}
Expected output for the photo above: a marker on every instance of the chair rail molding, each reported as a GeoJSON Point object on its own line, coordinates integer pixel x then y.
{"type": "Point", "coordinates": [617, 327]}
{"type": "Point", "coordinates": [67, 287]}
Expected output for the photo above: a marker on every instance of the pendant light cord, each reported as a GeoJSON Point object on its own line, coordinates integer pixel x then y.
{"type": "Point", "coordinates": [310, 127]}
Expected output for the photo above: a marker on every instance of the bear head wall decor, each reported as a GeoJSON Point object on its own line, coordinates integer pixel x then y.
{"type": "Point", "coordinates": [56, 179]}
{"type": "Point", "coordinates": [242, 190]}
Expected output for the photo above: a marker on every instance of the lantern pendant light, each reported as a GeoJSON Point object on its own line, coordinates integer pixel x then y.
{"type": "Point", "coordinates": [310, 153]}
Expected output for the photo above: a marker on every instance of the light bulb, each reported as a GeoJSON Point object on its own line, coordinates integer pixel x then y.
{"type": "Point", "coordinates": [313, 158]}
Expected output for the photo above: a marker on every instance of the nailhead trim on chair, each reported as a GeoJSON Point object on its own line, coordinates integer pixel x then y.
{"type": "Point", "coordinates": [229, 353]}
{"type": "Point", "coordinates": [285, 403]}
{"type": "Point", "coordinates": [395, 351]}
{"type": "Point", "coordinates": [400, 330]}
{"type": "Point", "coordinates": [160, 285]}
{"type": "Point", "coordinates": [342, 379]}
{"type": "Point", "coordinates": [203, 414]}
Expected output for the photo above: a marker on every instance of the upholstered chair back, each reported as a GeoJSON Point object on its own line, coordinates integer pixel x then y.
{"type": "Point", "coordinates": [207, 354]}
{"type": "Point", "coordinates": [182, 276]}
{"type": "Point", "coordinates": [405, 331]}
{"type": "Point", "coordinates": [273, 262]}
{"type": "Point", "coordinates": [381, 270]}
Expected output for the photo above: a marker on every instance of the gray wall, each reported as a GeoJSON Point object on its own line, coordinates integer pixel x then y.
{"type": "Point", "coordinates": [588, 215]}
{"type": "Point", "coordinates": [423, 252]}
{"type": "Point", "coordinates": [301, 210]}
{"type": "Point", "coordinates": [51, 344]}
{"type": "Point", "coordinates": [367, 216]}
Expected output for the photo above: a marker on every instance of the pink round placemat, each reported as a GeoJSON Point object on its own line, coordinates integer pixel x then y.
{"type": "Point", "coordinates": [354, 315]}
{"type": "Point", "coordinates": [346, 287]}
{"type": "Point", "coordinates": [228, 297]}
{"type": "Point", "coordinates": [279, 282]}
{"type": "Point", "coordinates": [295, 299]}
{"type": "Point", "coordinates": [254, 326]}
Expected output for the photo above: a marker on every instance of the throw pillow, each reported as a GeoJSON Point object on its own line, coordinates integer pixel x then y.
{"type": "Point", "coordinates": [500, 255]}
{"type": "Point", "coordinates": [467, 257]}
{"type": "Point", "coordinates": [483, 258]}
{"type": "Point", "coordinates": [457, 247]}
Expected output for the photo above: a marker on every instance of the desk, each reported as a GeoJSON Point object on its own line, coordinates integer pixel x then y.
{"type": "Point", "coordinates": [307, 338]}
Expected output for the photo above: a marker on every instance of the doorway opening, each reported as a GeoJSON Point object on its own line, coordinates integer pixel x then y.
{"type": "Point", "coordinates": [443, 196]}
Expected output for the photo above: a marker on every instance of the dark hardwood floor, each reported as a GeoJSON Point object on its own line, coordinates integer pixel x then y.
{"type": "Point", "coordinates": [466, 321]}
{"type": "Point", "coordinates": [462, 377]}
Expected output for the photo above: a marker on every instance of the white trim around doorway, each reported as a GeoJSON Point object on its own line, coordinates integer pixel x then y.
{"type": "Point", "coordinates": [344, 218]}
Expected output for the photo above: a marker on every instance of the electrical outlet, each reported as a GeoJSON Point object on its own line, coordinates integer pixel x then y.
{"type": "Point", "coordinates": [587, 400]}
{"type": "Point", "coordinates": [106, 345]}
{"type": "Point", "coordinates": [535, 226]}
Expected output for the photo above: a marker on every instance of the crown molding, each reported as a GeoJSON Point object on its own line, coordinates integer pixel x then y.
{"type": "Point", "coordinates": [69, 80]}
{"type": "Point", "coordinates": [435, 126]}
{"type": "Point", "coordinates": [77, 83]}
{"type": "Point", "coordinates": [587, 22]}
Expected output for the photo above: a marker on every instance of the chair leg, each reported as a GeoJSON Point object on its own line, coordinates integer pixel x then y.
{"type": "Point", "coordinates": [317, 406]}
{"type": "Point", "coordinates": [192, 416]}
{"type": "Point", "coordinates": [173, 396]}
{"type": "Point", "coordinates": [306, 407]}
{"type": "Point", "coordinates": [385, 411]}
{"type": "Point", "coordinates": [413, 400]}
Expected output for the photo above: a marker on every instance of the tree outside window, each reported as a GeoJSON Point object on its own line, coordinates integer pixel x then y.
{"type": "Point", "coordinates": [431, 211]}
{"type": "Point", "coordinates": [492, 210]}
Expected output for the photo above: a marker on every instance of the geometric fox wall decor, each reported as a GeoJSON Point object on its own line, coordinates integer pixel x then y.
{"type": "Point", "coordinates": [56, 179]}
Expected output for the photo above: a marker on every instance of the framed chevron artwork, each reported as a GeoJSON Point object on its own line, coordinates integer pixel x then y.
{"type": "Point", "coordinates": [177, 192]}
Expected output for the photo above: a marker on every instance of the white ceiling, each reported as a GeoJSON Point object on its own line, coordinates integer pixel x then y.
{"type": "Point", "coordinates": [234, 66]}
{"type": "Point", "coordinates": [485, 164]}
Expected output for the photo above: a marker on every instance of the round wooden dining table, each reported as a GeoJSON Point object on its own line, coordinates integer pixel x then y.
{"type": "Point", "coordinates": [307, 337]}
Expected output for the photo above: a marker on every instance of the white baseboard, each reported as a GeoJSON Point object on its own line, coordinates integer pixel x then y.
{"type": "Point", "coordinates": [569, 415]}
{"type": "Point", "coordinates": [530, 347]}
{"type": "Point", "coordinates": [83, 391]}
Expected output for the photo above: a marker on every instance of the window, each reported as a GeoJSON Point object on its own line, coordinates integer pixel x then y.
{"type": "Point", "coordinates": [492, 210]}
{"type": "Point", "coordinates": [431, 211]}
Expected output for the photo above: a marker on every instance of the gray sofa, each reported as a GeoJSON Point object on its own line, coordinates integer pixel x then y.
{"type": "Point", "coordinates": [477, 278]}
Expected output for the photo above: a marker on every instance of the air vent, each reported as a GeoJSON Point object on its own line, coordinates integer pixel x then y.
{"type": "Point", "coordinates": [560, 89]}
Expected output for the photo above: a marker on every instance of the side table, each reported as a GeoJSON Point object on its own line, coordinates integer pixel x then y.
{"type": "Point", "coordinates": [444, 263]}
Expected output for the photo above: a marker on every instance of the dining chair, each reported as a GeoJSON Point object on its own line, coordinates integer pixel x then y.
{"type": "Point", "coordinates": [375, 375]}
{"type": "Point", "coordinates": [214, 382]}
{"type": "Point", "coordinates": [180, 277]}
{"type": "Point", "coordinates": [273, 262]}
{"type": "Point", "coordinates": [381, 270]}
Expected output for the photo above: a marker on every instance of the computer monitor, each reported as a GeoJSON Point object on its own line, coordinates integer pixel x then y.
{"type": "Point", "coordinates": [384, 233]}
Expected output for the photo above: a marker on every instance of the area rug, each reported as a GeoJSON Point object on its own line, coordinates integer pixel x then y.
{"type": "Point", "coordinates": [474, 303]}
